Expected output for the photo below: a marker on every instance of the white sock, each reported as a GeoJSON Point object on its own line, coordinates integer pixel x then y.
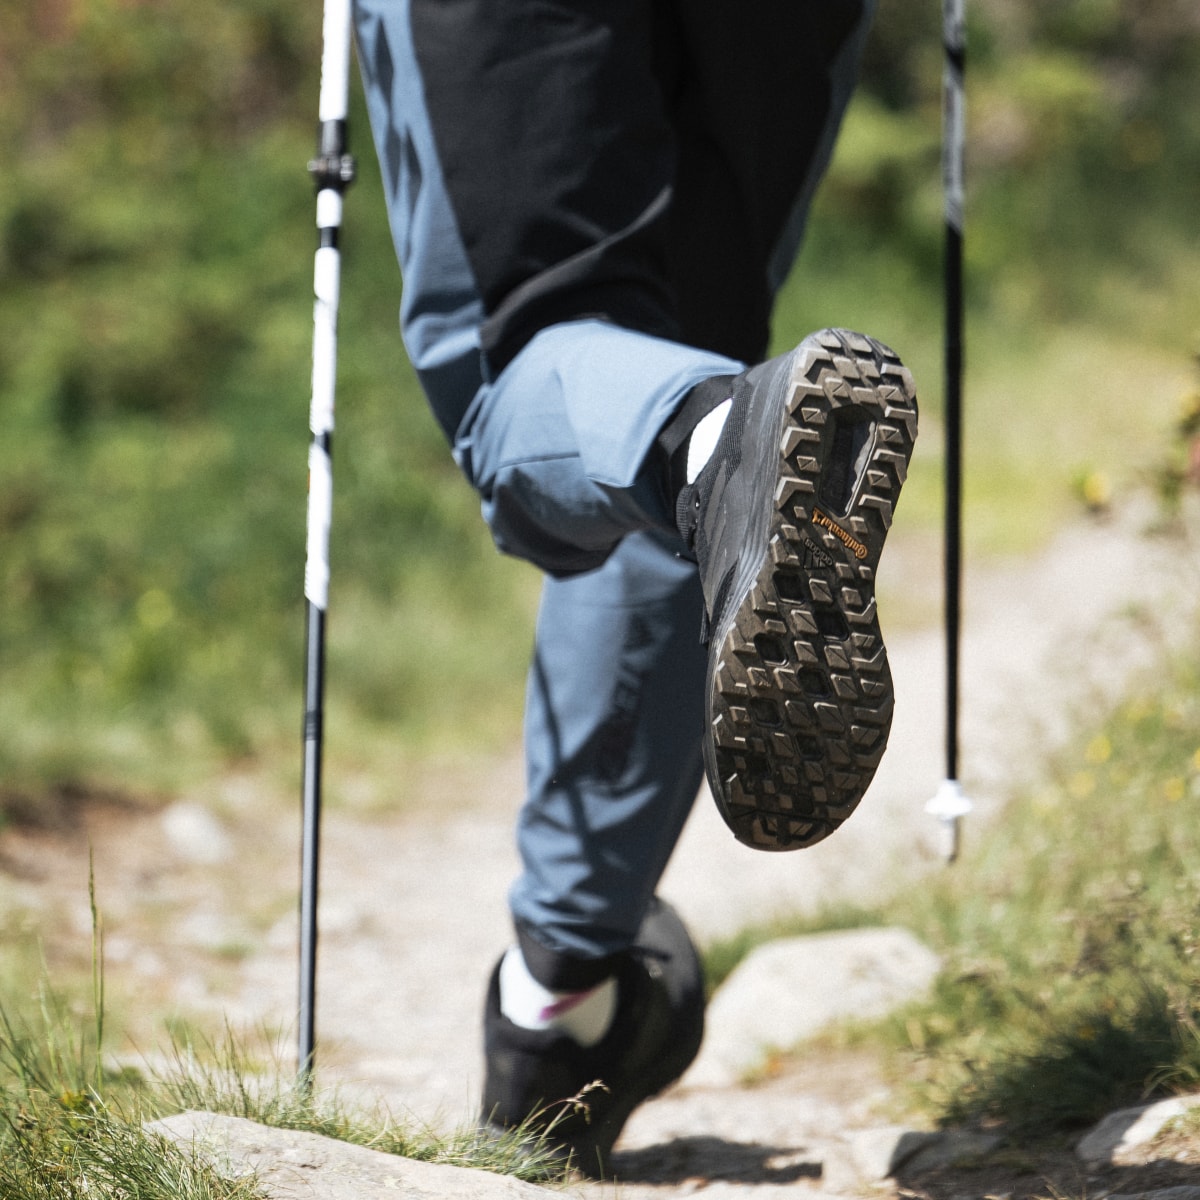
{"type": "Point", "coordinates": [703, 439]}
{"type": "Point", "coordinates": [585, 1015]}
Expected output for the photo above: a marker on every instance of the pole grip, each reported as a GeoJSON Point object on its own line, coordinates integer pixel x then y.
{"type": "Point", "coordinates": [954, 44]}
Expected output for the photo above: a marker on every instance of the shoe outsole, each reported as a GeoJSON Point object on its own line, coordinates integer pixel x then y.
{"type": "Point", "coordinates": [800, 700]}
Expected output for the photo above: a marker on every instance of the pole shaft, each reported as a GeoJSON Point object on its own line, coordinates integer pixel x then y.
{"type": "Point", "coordinates": [310, 834]}
{"type": "Point", "coordinates": [333, 171]}
{"type": "Point", "coordinates": [953, 175]}
{"type": "Point", "coordinates": [953, 499]}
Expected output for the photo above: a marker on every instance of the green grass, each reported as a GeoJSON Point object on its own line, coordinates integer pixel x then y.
{"type": "Point", "coordinates": [72, 1125]}
{"type": "Point", "coordinates": [1071, 931]}
{"type": "Point", "coordinates": [222, 1077]}
{"type": "Point", "coordinates": [69, 1126]}
{"type": "Point", "coordinates": [73, 1116]}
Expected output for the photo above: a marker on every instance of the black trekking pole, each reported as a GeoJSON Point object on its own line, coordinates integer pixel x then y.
{"type": "Point", "coordinates": [332, 171]}
{"type": "Point", "coordinates": [950, 805]}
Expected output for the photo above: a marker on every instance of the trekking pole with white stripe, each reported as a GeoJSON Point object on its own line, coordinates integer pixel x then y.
{"type": "Point", "coordinates": [950, 805]}
{"type": "Point", "coordinates": [332, 171]}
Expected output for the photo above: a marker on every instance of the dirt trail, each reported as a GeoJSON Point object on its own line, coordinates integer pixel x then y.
{"type": "Point", "coordinates": [200, 900]}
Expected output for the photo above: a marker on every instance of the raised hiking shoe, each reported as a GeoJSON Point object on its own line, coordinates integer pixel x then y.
{"type": "Point", "coordinates": [787, 521]}
{"type": "Point", "coordinates": [533, 1077]}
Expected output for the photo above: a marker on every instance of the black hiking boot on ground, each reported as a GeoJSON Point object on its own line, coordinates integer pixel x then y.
{"type": "Point", "coordinates": [787, 521]}
{"type": "Point", "coordinates": [532, 1076]}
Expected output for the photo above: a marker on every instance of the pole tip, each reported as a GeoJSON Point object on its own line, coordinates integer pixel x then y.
{"type": "Point", "coordinates": [950, 805]}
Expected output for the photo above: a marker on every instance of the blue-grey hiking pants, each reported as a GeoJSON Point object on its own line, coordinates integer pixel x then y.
{"type": "Point", "coordinates": [593, 203]}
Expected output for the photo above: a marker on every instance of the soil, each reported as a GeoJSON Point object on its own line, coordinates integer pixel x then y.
{"type": "Point", "coordinates": [198, 898]}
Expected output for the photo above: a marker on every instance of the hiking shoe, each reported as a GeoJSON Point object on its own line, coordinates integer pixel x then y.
{"type": "Point", "coordinates": [787, 521]}
{"type": "Point", "coordinates": [573, 1101]}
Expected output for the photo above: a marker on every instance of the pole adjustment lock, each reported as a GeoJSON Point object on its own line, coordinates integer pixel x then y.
{"type": "Point", "coordinates": [332, 171]}
{"type": "Point", "coordinates": [333, 167]}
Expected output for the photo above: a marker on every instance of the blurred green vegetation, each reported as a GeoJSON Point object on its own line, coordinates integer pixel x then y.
{"type": "Point", "coordinates": [156, 235]}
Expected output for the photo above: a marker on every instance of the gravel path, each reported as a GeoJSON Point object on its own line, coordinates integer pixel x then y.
{"type": "Point", "coordinates": [413, 913]}
{"type": "Point", "coordinates": [412, 909]}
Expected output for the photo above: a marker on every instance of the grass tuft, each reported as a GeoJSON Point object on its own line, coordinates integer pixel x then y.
{"type": "Point", "coordinates": [72, 1126]}
{"type": "Point", "coordinates": [1069, 929]}
{"type": "Point", "coordinates": [223, 1077]}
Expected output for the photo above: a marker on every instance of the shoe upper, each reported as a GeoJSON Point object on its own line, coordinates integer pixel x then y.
{"type": "Point", "coordinates": [579, 1097]}
{"type": "Point", "coordinates": [723, 513]}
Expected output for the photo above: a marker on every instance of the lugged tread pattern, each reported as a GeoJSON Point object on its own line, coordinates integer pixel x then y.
{"type": "Point", "coordinates": [801, 698]}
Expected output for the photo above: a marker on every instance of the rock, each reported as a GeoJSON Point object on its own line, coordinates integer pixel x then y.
{"type": "Point", "coordinates": [195, 835]}
{"type": "Point", "coordinates": [951, 1147]}
{"type": "Point", "coordinates": [879, 1154]}
{"type": "Point", "coordinates": [289, 1165]}
{"type": "Point", "coordinates": [1183, 1192]}
{"type": "Point", "coordinates": [1116, 1139]}
{"type": "Point", "coordinates": [792, 988]}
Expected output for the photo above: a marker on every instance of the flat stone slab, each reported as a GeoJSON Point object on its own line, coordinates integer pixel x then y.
{"type": "Point", "coordinates": [877, 1154]}
{"type": "Point", "coordinates": [1117, 1139]}
{"type": "Point", "coordinates": [289, 1165]}
{"type": "Point", "coordinates": [792, 988]}
{"type": "Point", "coordinates": [1182, 1192]}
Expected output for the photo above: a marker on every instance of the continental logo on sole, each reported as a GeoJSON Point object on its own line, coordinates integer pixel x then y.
{"type": "Point", "coordinates": [848, 540]}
